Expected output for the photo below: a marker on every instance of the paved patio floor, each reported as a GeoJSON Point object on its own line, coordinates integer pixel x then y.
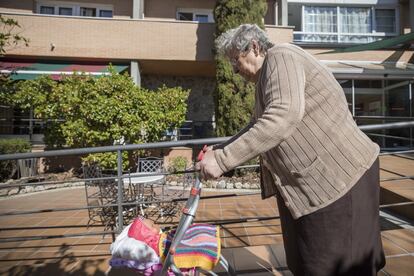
{"type": "Point", "coordinates": [254, 248]}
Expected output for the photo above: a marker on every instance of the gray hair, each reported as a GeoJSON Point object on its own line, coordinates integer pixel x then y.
{"type": "Point", "coordinates": [240, 39]}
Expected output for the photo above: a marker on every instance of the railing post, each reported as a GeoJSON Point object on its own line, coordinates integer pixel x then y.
{"type": "Point", "coordinates": [120, 192]}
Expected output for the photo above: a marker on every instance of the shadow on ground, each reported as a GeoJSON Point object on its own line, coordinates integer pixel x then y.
{"type": "Point", "coordinates": [62, 263]}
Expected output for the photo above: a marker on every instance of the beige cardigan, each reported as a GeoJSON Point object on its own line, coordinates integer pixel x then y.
{"type": "Point", "coordinates": [312, 151]}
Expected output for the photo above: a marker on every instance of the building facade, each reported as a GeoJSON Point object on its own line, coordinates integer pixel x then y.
{"type": "Point", "coordinates": [170, 42]}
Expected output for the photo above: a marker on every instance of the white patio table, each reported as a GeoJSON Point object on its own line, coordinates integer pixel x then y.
{"type": "Point", "coordinates": [140, 181]}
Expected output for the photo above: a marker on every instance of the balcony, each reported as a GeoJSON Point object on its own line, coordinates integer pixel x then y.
{"type": "Point", "coordinates": [121, 39]}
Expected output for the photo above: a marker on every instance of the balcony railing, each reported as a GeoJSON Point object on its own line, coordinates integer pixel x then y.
{"type": "Point", "coordinates": [119, 206]}
{"type": "Point", "coordinates": [335, 37]}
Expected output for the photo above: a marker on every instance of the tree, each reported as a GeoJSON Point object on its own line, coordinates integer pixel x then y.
{"type": "Point", "coordinates": [234, 97]}
{"type": "Point", "coordinates": [8, 36]}
{"type": "Point", "coordinates": [82, 111]}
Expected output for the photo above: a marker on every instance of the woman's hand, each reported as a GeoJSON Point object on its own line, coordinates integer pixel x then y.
{"type": "Point", "coordinates": [208, 166]}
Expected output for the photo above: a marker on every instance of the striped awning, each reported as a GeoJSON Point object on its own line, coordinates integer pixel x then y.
{"type": "Point", "coordinates": [31, 70]}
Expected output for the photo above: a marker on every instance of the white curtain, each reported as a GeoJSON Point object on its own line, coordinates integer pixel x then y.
{"type": "Point", "coordinates": [357, 21]}
{"type": "Point", "coordinates": [320, 20]}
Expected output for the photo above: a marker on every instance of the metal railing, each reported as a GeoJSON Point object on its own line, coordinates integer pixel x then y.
{"type": "Point", "coordinates": [337, 37]}
{"type": "Point", "coordinates": [120, 204]}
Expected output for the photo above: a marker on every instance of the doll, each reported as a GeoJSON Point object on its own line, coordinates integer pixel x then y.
{"type": "Point", "coordinates": [143, 247]}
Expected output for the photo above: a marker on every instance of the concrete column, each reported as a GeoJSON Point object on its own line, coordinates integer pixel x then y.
{"type": "Point", "coordinates": [411, 3]}
{"type": "Point", "coordinates": [283, 12]}
{"type": "Point", "coordinates": [138, 9]}
{"type": "Point", "coordinates": [275, 13]}
{"type": "Point", "coordinates": [137, 13]}
{"type": "Point", "coordinates": [135, 73]}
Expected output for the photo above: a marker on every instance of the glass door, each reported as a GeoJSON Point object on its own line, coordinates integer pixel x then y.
{"type": "Point", "coordinates": [399, 107]}
{"type": "Point", "coordinates": [369, 106]}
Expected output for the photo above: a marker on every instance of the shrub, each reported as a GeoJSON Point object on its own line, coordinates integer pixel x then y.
{"type": "Point", "coordinates": [177, 164]}
{"type": "Point", "coordinates": [107, 160]}
{"type": "Point", "coordinates": [8, 168]}
{"type": "Point", "coordinates": [83, 111]}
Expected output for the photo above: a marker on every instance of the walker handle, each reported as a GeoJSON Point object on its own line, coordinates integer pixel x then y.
{"type": "Point", "coordinates": [201, 154]}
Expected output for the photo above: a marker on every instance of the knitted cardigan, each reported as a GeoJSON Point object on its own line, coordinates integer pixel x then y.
{"type": "Point", "coordinates": [311, 149]}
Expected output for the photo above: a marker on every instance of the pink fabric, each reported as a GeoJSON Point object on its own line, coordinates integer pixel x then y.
{"type": "Point", "coordinates": [152, 270]}
{"type": "Point", "coordinates": [141, 232]}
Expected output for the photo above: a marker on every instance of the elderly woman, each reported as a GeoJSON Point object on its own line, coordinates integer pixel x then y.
{"type": "Point", "coordinates": [323, 170]}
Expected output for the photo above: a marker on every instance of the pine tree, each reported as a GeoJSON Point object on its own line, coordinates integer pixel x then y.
{"type": "Point", "coordinates": [234, 97]}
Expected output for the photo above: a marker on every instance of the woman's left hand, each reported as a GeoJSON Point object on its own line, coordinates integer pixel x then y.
{"type": "Point", "coordinates": [208, 166]}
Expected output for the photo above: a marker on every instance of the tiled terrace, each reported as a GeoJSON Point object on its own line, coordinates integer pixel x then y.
{"type": "Point", "coordinates": [254, 248]}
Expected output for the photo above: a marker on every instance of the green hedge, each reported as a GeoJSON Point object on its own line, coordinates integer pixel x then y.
{"type": "Point", "coordinates": [234, 97]}
{"type": "Point", "coordinates": [8, 146]}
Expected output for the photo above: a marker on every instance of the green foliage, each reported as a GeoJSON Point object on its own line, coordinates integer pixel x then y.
{"type": "Point", "coordinates": [177, 164]}
{"type": "Point", "coordinates": [8, 168]}
{"type": "Point", "coordinates": [8, 146]}
{"type": "Point", "coordinates": [107, 160]}
{"type": "Point", "coordinates": [229, 14]}
{"type": "Point", "coordinates": [7, 89]}
{"type": "Point", "coordinates": [234, 100]}
{"type": "Point", "coordinates": [234, 96]}
{"type": "Point", "coordinates": [82, 111]}
{"type": "Point", "coordinates": [8, 35]}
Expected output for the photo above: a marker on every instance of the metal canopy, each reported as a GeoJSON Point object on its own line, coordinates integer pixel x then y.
{"type": "Point", "coordinates": [370, 70]}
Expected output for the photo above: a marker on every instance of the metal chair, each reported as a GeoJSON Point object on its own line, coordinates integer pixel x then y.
{"type": "Point", "coordinates": [173, 197]}
{"type": "Point", "coordinates": [143, 181]}
{"type": "Point", "coordinates": [27, 167]}
{"type": "Point", "coordinates": [168, 205]}
{"type": "Point", "coordinates": [150, 164]}
{"type": "Point", "coordinates": [100, 192]}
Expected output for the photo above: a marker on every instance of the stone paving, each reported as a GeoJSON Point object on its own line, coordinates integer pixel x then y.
{"type": "Point", "coordinates": [254, 248]}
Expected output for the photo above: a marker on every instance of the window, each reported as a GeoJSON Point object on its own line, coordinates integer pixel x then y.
{"type": "Point", "coordinates": [74, 9]}
{"type": "Point", "coordinates": [320, 20]}
{"type": "Point", "coordinates": [65, 11]}
{"type": "Point", "coordinates": [385, 19]}
{"type": "Point", "coordinates": [47, 10]}
{"type": "Point", "coordinates": [341, 24]}
{"type": "Point", "coordinates": [185, 16]}
{"type": "Point", "coordinates": [88, 12]}
{"type": "Point", "coordinates": [355, 20]}
{"type": "Point", "coordinates": [105, 13]}
{"type": "Point", "coordinates": [201, 16]}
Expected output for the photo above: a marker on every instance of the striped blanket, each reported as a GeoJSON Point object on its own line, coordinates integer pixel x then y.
{"type": "Point", "coordinates": [200, 247]}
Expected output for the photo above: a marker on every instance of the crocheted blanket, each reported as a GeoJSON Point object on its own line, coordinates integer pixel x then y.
{"type": "Point", "coordinates": [200, 247]}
